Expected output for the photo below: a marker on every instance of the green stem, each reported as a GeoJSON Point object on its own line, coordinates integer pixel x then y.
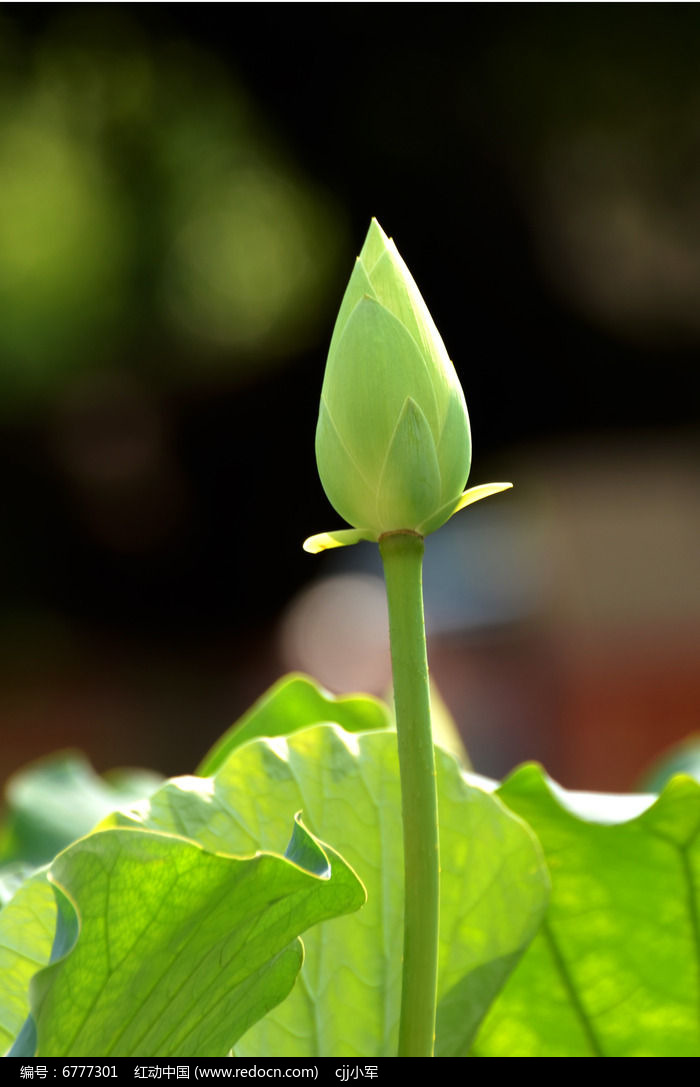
{"type": "Point", "coordinates": [402, 555]}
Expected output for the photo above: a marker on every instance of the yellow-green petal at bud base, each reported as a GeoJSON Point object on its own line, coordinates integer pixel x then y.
{"type": "Point", "coordinates": [393, 445]}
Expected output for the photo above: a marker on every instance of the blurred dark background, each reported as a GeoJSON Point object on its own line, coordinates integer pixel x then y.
{"type": "Point", "coordinates": [183, 189]}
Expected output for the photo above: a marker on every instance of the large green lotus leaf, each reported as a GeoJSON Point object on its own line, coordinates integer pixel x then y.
{"type": "Point", "coordinates": [53, 802]}
{"type": "Point", "coordinates": [164, 949]}
{"type": "Point", "coordinates": [615, 970]}
{"type": "Point", "coordinates": [296, 702]}
{"type": "Point", "coordinates": [346, 1002]}
{"type": "Point", "coordinates": [27, 928]}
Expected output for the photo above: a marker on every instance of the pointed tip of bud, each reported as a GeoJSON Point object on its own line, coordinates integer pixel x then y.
{"type": "Point", "coordinates": [375, 226]}
{"type": "Point", "coordinates": [376, 243]}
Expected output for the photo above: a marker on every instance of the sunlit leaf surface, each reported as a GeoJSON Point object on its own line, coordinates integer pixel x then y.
{"type": "Point", "coordinates": [615, 971]}
{"type": "Point", "coordinates": [164, 949]}
{"type": "Point", "coordinates": [27, 929]}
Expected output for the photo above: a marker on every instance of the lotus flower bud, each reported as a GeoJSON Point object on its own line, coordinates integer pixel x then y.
{"type": "Point", "coordinates": [393, 444]}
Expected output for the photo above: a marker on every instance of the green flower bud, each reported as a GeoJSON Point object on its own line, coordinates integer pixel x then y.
{"type": "Point", "coordinates": [393, 444]}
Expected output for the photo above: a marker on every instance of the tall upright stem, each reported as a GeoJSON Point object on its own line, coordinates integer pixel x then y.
{"type": "Point", "coordinates": [402, 555]}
